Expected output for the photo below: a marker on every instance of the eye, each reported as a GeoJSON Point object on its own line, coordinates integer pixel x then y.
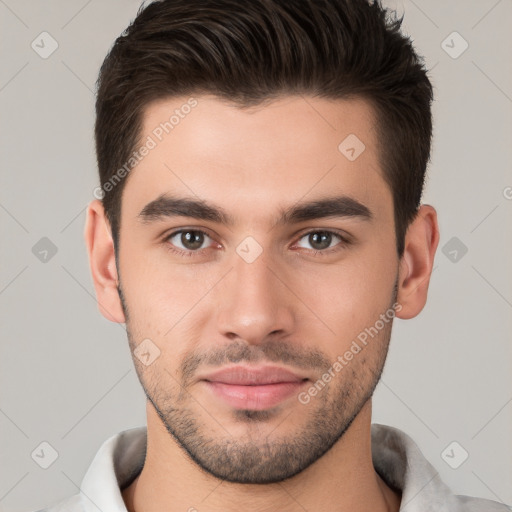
{"type": "Point", "coordinates": [191, 242]}
{"type": "Point", "coordinates": [320, 241]}
{"type": "Point", "coordinates": [186, 240]}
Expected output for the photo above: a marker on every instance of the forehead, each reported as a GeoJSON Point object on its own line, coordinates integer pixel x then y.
{"type": "Point", "coordinates": [258, 158]}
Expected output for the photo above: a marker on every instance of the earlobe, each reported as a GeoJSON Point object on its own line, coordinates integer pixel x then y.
{"type": "Point", "coordinates": [100, 249]}
{"type": "Point", "coordinates": [416, 264]}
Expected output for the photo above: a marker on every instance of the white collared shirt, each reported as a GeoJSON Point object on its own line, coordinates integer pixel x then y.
{"type": "Point", "coordinates": [396, 458]}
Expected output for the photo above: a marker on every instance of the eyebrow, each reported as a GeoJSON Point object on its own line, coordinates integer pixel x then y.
{"type": "Point", "coordinates": [166, 206]}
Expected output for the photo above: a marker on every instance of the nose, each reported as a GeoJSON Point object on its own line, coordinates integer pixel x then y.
{"type": "Point", "coordinates": [254, 302]}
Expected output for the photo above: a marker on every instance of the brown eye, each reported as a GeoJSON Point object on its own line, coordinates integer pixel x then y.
{"type": "Point", "coordinates": [320, 240]}
{"type": "Point", "coordinates": [189, 239]}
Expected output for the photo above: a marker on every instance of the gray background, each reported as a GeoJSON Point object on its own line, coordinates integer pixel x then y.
{"type": "Point", "coordinates": [66, 372]}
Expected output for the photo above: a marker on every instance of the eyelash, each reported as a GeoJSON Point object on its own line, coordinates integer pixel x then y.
{"type": "Point", "coordinates": [344, 242]}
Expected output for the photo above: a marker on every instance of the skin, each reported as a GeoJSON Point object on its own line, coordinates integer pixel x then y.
{"type": "Point", "coordinates": [289, 307]}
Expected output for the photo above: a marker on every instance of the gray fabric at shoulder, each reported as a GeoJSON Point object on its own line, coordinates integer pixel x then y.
{"type": "Point", "coordinates": [129, 454]}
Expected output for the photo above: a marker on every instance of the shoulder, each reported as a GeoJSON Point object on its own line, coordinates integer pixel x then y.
{"type": "Point", "coordinates": [400, 462]}
{"type": "Point", "coordinates": [119, 459]}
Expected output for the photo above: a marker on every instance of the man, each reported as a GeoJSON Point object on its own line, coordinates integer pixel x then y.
{"type": "Point", "coordinates": [258, 227]}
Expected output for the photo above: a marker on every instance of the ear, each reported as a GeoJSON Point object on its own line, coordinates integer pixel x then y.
{"type": "Point", "coordinates": [100, 248]}
{"type": "Point", "coordinates": [417, 261]}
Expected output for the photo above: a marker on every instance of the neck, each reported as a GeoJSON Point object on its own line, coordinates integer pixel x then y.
{"type": "Point", "coordinates": [342, 479]}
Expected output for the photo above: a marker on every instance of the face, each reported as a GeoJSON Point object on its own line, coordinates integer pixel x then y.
{"type": "Point", "coordinates": [257, 267]}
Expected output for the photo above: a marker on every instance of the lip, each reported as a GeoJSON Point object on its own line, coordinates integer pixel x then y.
{"type": "Point", "coordinates": [252, 375]}
{"type": "Point", "coordinates": [254, 388]}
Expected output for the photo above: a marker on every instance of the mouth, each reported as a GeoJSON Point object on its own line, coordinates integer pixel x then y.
{"type": "Point", "coordinates": [253, 388]}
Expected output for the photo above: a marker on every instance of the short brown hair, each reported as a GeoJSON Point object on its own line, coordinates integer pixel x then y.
{"type": "Point", "coordinates": [256, 50]}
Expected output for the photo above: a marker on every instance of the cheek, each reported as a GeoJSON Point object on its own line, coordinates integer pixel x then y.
{"type": "Point", "coordinates": [350, 295]}
{"type": "Point", "coordinates": [158, 292]}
